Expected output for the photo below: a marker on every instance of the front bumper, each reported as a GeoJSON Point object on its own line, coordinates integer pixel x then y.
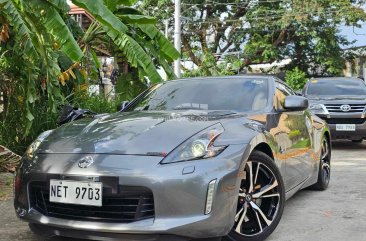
{"type": "Point", "coordinates": [359, 134]}
{"type": "Point", "coordinates": [49, 231]}
{"type": "Point", "coordinates": [179, 196]}
{"type": "Point", "coordinates": [346, 118]}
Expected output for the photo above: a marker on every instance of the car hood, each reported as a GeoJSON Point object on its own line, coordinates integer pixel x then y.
{"type": "Point", "coordinates": [130, 133]}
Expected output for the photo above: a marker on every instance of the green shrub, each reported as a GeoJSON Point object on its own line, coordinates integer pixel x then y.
{"type": "Point", "coordinates": [13, 125]}
{"type": "Point", "coordinates": [95, 103]}
{"type": "Point", "coordinates": [296, 78]}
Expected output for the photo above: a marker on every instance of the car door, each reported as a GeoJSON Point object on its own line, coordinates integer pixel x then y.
{"type": "Point", "coordinates": [294, 140]}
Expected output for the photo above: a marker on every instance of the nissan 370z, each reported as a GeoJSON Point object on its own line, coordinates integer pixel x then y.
{"type": "Point", "coordinates": [207, 158]}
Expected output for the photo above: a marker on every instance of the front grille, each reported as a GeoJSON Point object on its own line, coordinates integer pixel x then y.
{"type": "Point", "coordinates": [356, 121]}
{"type": "Point", "coordinates": [130, 204]}
{"type": "Point", "coordinates": [355, 108]}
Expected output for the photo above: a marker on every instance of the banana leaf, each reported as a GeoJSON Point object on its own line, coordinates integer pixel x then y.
{"type": "Point", "coordinates": [139, 19]}
{"type": "Point", "coordinates": [60, 5]}
{"type": "Point", "coordinates": [102, 14]}
{"type": "Point", "coordinates": [24, 35]}
{"type": "Point", "coordinates": [113, 4]}
{"type": "Point", "coordinates": [166, 47]}
{"type": "Point", "coordinates": [56, 26]}
{"type": "Point", "coordinates": [118, 32]}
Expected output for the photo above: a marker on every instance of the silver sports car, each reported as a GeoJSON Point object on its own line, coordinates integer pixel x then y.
{"type": "Point", "coordinates": [205, 158]}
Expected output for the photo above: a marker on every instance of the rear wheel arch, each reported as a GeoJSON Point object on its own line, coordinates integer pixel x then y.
{"type": "Point", "coordinates": [327, 136]}
{"type": "Point", "coordinates": [324, 170]}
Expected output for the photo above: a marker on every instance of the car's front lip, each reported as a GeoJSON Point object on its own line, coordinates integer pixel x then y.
{"type": "Point", "coordinates": [180, 198]}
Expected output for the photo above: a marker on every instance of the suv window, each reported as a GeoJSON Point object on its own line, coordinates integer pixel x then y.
{"type": "Point", "coordinates": [337, 87]}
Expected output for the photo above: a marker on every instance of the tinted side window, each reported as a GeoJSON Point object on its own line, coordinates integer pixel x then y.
{"type": "Point", "coordinates": [281, 93]}
{"type": "Point", "coordinates": [290, 90]}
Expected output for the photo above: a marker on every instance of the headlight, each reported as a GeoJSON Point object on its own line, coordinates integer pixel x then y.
{"type": "Point", "coordinates": [318, 109]}
{"type": "Point", "coordinates": [34, 146]}
{"type": "Point", "coordinates": [200, 146]}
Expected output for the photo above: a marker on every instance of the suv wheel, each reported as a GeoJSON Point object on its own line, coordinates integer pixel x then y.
{"type": "Point", "coordinates": [357, 141]}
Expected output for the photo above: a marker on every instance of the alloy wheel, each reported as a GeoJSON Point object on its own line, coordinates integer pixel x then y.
{"type": "Point", "coordinates": [325, 162]}
{"type": "Point", "coordinates": [259, 200]}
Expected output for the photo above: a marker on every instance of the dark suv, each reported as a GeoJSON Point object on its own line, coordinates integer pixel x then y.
{"type": "Point", "coordinates": [341, 102]}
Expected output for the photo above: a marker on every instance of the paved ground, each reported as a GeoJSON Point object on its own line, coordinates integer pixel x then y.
{"type": "Point", "coordinates": [336, 214]}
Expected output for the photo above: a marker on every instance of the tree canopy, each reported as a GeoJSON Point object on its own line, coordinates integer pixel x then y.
{"type": "Point", "coordinates": [263, 31]}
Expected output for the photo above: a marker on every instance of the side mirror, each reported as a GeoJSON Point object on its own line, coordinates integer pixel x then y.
{"type": "Point", "coordinates": [296, 103]}
{"type": "Point", "coordinates": [122, 106]}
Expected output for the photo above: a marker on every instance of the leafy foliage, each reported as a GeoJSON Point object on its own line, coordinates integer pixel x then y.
{"type": "Point", "coordinates": [38, 28]}
{"type": "Point", "coordinates": [296, 78]}
{"type": "Point", "coordinates": [135, 47]}
{"type": "Point", "coordinates": [264, 31]}
{"type": "Point", "coordinates": [128, 87]}
{"type": "Point", "coordinates": [97, 103]}
{"type": "Point", "coordinates": [210, 67]}
{"type": "Point", "coordinates": [58, 59]}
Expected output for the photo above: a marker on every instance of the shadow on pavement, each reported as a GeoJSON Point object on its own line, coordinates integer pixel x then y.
{"type": "Point", "coordinates": [348, 145]}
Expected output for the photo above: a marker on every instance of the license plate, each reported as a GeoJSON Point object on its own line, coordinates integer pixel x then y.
{"type": "Point", "coordinates": [346, 127]}
{"type": "Point", "coordinates": [76, 192]}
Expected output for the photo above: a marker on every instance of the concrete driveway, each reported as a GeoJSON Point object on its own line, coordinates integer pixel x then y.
{"type": "Point", "coordinates": [336, 214]}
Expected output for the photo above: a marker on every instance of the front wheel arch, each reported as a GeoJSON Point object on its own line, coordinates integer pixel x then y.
{"type": "Point", "coordinates": [277, 185]}
{"type": "Point", "coordinates": [264, 148]}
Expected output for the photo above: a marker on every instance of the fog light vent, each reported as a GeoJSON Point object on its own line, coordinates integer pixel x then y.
{"type": "Point", "coordinates": [21, 212]}
{"type": "Point", "coordinates": [210, 196]}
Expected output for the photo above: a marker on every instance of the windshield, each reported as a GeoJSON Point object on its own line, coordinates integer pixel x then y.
{"type": "Point", "coordinates": [343, 86]}
{"type": "Point", "coordinates": [236, 94]}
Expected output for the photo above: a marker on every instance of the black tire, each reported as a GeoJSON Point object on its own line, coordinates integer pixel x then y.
{"type": "Point", "coordinates": [246, 230]}
{"type": "Point", "coordinates": [324, 167]}
{"type": "Point", "coordinates": [357, 141]}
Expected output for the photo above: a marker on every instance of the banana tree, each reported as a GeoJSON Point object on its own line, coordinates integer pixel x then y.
{"type": "Point", "coordinates": [133, 34]}
{"type": "Point", "coordinates": [39, 33]}
{"type": "Point", "coordinates": [35, 34]}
